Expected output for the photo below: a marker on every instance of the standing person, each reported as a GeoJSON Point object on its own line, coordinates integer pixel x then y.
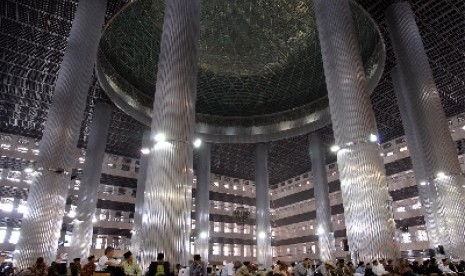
{"type": "Point", "coordinates": [130, 267]}
{"type": "Point", "coordinates": [107, 260]}
{"type": "Point", "coordinates": [198, 268]}
{"type": "Point", "coordinates": [75, 267]}
{"type": "Point", "coordinates": [228, 269]}
{"type": "Point", "coordinates": [214, 272]}
{"type": "Point", "coordinates": [39, 269]}
{"type": "Point", "coordinates": [300, 269]}
{"type": "Point", "coordinates": [160, 267]}
{"type": "Point", "coordinates": [89, 268]}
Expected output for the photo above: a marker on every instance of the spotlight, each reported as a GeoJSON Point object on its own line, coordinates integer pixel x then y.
{"type": "Point", "coordinates": [160, 137]}
{"type": "Point", "coordinates": [262, 235]}
{"type": "Point", "coordinates": [373, 138]}
{"type": "Point", "coordinates": [197, 143]}
{"type": "Point", "coordinates": [335, 148]}
{"type": "Point", "coordinates": [29, 169]}
{"type": "Point", "coordinates": [203, 235]}
{"type": "Point", "coordinates": [440, 175]}
{"type": "Point", "coordinates": [320, 230]}
{"type": "Point", "coordinates": [145, 150]}
{"type": "Point", "coordinates": [423, 183]}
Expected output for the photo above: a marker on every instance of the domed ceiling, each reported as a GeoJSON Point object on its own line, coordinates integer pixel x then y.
{"type": "Point", "coordinates": [260, 66]}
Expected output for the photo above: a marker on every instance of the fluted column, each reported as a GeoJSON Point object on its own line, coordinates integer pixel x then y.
{"type": "Point", "coordinates": [434, 154]}
{"type": "Point", "coordinates": [166, 222]}
{"type": "Point", "coordinates": [136, 238]}
{"type": "Point", "coordinates": [368, 216]}
{"type": "Point", "coordinates": [88, 191]}
{"type": "Point", "coordinates": [326, 242]}
{"type": "Point", "coordinates": [263, 233]}
{"type": "Point", "coordinates": [202, 202]}
{"type": "Point", "coordinates": [40, 229]}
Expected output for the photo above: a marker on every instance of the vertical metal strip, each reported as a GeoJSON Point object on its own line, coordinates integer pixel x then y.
{"type": "Point", "coordinates": [41, 226]}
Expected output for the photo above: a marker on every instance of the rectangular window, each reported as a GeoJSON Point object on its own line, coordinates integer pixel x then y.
{"type": "Point", "coordinates": [216, 249]}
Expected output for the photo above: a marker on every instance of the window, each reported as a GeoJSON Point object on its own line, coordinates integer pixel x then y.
{"type": "Point", "coordinates": [216, 249]}
{"type": "Point", "coordinates": [400, 209]}
{"type": "Point", "coordinates": [227, 250]}
{"type": "Point", "coordinates": [216, 227]}
{"type": "Point", "coordinates": [405, 238]}
{"type": "Point", "coordinates": [227, 228]}
{"type": "Point", "coordinates": [14, 236]}
{"type": "Point", "coordinates": [6, 205]}
{"type": "Point", "coordinates": [422, 235]}
{"type": "Point", "coordinates": [2, 234]}
{"type": "Point", "coordinates": [237, 250]}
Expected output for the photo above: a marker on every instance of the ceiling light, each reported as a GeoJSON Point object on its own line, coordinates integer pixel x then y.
{"type": "Point", "coordinates": [160, 137]}
{"type": "Point", "coordinates": [320, 230]}
{"type": "Point", "coordinates": [72, 214]}
{"type": "Point", "coordinates": [335, 148]}
{"type": "Point", "coordinates": [197, 143]}
{"type": "Point", "coordinates": [29, 169]}
{"type": "Point", "coordinates": [203, 235]}
{"type": "Point", "coordinates": [440, 175]}
{"type": "Point", "coordinates": [145, 150]}
{"type": "Point", "coordinates": [373, 138]}
{"type": "Point", "coordinates": [262, 235]}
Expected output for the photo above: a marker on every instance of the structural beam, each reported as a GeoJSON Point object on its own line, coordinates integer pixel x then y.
{"type": "Point", "coordinates": [367, 204]}
{"type": "Point", "coordinates": [264, 257]}
{"type": "Point", "coordinates": [324, 228]}
{"type": "Point", "coordinates": [434, 155]}
{"type": "Point", "coordinates": [202, 202]}
{"type": "Point", "coordinates": [41, 226]}
{"type": "Point", "coordinates": [166, 221]}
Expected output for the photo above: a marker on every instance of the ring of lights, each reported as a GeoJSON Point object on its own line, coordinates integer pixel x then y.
{"type": "Point", "coordinates": [220, 109]}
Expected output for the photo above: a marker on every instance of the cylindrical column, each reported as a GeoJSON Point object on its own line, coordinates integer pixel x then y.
{"type": "Point", "coordinates": [368, 216]}
{"type": "Point", "coordinates": [166, 222]}
{"type": "Point", "coordinates": [202, 202]}
{"type": "Point", "coordinates": [88, 191]}
{"type": "Point", "coordinates": [263, 233]}
{"type": "Point", "coordinates": [433, 151]}
{"type": "Point", "coordinates": [40, 229]}
{"type": "Point", "coordinates": [324, 229]}
{"type": "Point", "coordinates": [136, 238]}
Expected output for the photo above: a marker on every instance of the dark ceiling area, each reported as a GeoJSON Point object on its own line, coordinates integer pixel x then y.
{"type": "Point", "coordinates": [33, 40]}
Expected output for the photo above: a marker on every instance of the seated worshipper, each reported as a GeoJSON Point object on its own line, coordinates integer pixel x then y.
{"type": "Point", "coordinates": [444, 267]}
{"type": "Point", "coordinates": [89, 268]}
{"type": "Point", "coordinates": [130, 267]}
{"type": "Point", "coordinates": [107, 260]}
{"type": "Point", "coordinates": [75, 267]}
{"type": "Point", "coordinates": [378, 268]}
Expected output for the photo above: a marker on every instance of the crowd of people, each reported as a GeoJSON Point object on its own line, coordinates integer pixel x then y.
{"type": "Point", "coordinates": [111, 266]}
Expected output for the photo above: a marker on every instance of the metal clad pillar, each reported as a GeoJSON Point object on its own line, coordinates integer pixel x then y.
{"type": "Point", "coordinates": [136, 238]}
{"type": "Point", "coordinates": [325, 232]}
{"type": "Point", "coordinates": [88, 190]}
{"type": "Point", "coordinates": [434, 153]}
{"type": "Point", "coordinates": [166, 222]}
{"type": "Point", "coordinates": [202, 202]}
{"type": "Point", "coordinates": [368, 215]}
{"type": "Point", "coordinates": [41, 226]}
{"type": "Point", "coordinates": [264, 257]}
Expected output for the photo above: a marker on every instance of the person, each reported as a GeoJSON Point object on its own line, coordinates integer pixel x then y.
{"type": "Point", "coordinates": [389, 266]}
{"type": "Point", "coordinates": [311, 269]}
{"type": "Point", "coordinates": [461, 266]}
{"type": "Point", "coordinates": [416, 268]}
{"type": "Point", "coordinates": [198, 268]}
{"type": "Point", "coordinates": [444, 267]}
{"type": "Point", "coordinates": [244, 269]}
{"type": "Point", "coordinates": [349, 269]}
{"type": "Point", "coordinates": [39, 268]}
{"type": "Point", "coordinates": [89, 268]}
{"type": "Point", "coordinates": [214, 271]}
{"type": "Point", "coordinates": [378, 268]}
{"type": "Point", "coordinates": [130, 267]}
{"type": "Point", "coordinates": [160, 267]}
{"type": "Point", "coordinates": [360, 268]}
{"type": "Point", "coordinates": [176, 270]}
{"type": "Point", "coordinates": [340, 271]}
{"type": "Point", "coordinates": [6, 268]}
{"type": "Point", "coordinates": [369, 270]}
{"type": "Point", "coordinates": [228, 269]}
{"type": "Point", "coordinates": [75, 267]}
{"type": "Point", "coordinates": [300, 269]}
{"type": "Point", "coordinates": [106, 260]}
{"type": "Point", "coordinates": [280, 268]}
